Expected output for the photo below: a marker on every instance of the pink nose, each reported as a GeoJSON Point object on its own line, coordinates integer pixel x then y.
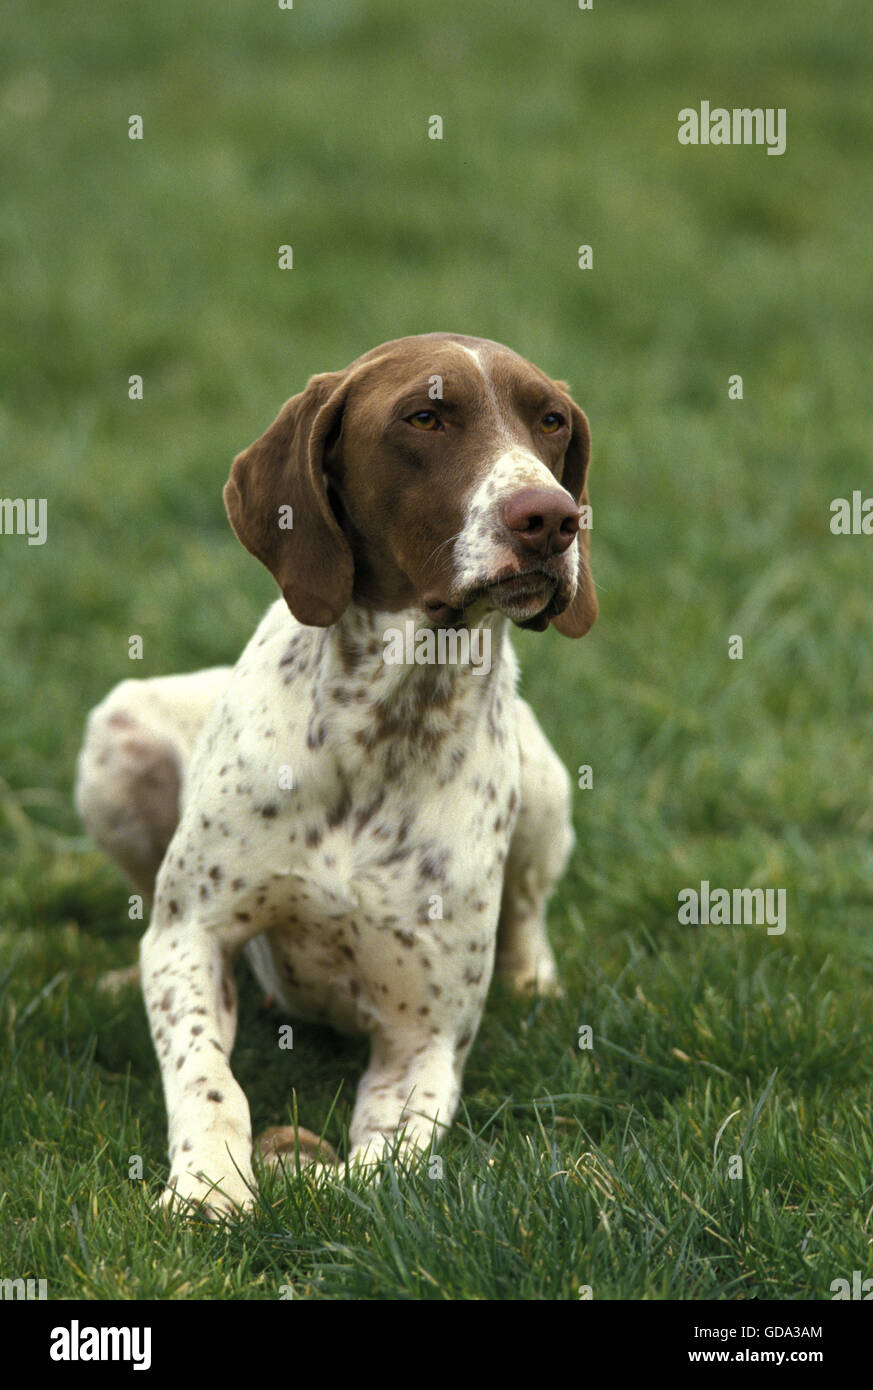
{"type": "Point", "coordinates": [543, 520]}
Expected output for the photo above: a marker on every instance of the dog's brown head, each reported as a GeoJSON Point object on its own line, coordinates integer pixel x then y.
{"type": "Point", "coordinates": [441, 471]}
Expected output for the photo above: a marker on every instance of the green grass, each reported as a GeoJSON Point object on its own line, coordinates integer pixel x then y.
{"type": "Point", "coordinates": [566, 1168]}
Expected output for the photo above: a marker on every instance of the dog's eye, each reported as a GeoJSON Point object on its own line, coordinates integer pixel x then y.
{"type": "Point", "coordinates": [551, 422]}
{"type": "Point", "coordinates": [424, 420]}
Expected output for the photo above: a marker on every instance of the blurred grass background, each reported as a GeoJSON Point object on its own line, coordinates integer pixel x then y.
{"type": "Point", "coordinates": [309, 127]}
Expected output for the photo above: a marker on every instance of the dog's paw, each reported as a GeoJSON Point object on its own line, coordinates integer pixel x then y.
{"type": "Point", "coordinates": [192, 1194]}
{"type": "Point", "coordinates": [539, 977]}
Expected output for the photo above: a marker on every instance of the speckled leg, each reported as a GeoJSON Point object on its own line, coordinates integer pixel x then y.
{"type": "Point", "coordinates": [538, 852]}
{"type": "Point", "coordinates": [408, 1093]}
{"type": "Point", "coordinates": [191, 1001]}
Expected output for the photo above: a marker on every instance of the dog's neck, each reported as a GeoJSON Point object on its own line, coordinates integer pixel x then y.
{"type": "Point", "coordinates": [419, 682]}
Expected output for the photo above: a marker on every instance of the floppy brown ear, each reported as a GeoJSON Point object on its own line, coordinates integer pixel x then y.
{"type": "Point", "coordinates": [576, 620]}
{"type": "Point", "coordinates": [311, 560]}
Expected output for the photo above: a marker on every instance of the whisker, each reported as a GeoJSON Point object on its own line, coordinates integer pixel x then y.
{"type": "Point", "coordinates": [441, 546]}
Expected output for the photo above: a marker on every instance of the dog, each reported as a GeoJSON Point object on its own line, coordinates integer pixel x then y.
{"type": "Point", "coordinates": [377, 835]}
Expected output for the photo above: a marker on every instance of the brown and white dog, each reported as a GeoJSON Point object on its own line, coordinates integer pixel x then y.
{"type": "Point", "coordinates": [376, 834]}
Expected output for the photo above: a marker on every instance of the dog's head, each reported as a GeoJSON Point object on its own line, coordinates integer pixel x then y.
{"type": "Point", "coordinates": [441, 471]}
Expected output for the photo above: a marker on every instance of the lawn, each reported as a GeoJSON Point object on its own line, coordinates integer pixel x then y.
{"type": "Point", "coordinates": [611, 1168]}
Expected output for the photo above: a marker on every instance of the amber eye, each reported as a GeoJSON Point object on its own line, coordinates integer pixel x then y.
{"type": "Point", "coordinates": [424, 420]}
{"type": "Point", "coordinates": [551, 422]}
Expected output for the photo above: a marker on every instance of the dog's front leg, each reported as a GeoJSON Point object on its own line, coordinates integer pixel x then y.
{"type": "Point", "coordinates": [191, 1001]}
{"type": "Point", "coordinates": [407, 1097]}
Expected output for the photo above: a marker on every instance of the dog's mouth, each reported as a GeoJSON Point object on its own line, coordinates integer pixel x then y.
{"type": "Point", "coordinates": [522, 596]}
{"type": "Point", "coordinates": [529, 598]}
